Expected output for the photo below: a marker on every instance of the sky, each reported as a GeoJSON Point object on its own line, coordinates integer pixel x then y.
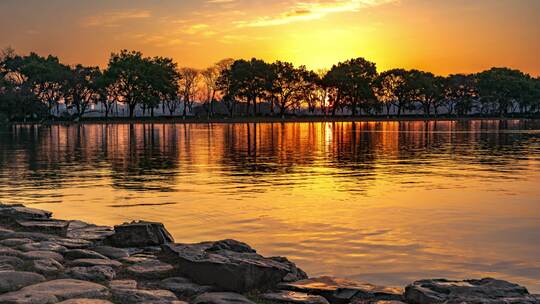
{"type": "Point", "coordinates": [444, 37]}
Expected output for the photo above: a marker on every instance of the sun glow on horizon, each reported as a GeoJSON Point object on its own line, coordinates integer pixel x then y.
{"type": "Point", "coordinates": [442, 37]}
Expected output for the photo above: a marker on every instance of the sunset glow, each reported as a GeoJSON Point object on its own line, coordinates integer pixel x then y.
{"type": "Point", "coordinates": [440, 36]}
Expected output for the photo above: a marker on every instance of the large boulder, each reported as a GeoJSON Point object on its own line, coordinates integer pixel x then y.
{"type": "Point", "coordinates": [55, 291]}
{"type": "Point", "coordinates": [15, 280]}
{"type": "Point", "coordinates": [484, 291]}
{"type": "Point", "coordinates": [230, 265]}
{"type": "Point", "coordinates": [139, 234]}
{"type": "Point", "coordinates": [338, 290]}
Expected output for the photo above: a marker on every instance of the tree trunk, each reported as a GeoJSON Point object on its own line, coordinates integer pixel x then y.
{"type": "Point", "coordinates": [132, 110]}
{"type": "Point", "coordinates": [186, 101]}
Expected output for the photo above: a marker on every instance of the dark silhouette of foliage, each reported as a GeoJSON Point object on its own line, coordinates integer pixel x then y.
{"type": "Point", "coordinates": [32, 86]}
{"type": "Point", "coordinates": [81, 88]}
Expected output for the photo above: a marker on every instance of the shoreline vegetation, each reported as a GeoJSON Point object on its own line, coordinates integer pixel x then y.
{"type": "Point", "coordinates": [270, 119]}
{"type": "Point", "coordinates": [45, 260]}
{"type": "Point", "coordinates": [35, 88]}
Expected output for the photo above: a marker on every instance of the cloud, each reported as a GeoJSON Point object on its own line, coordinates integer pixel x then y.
{"type": "Point", "coordinates": [196, 28]}
{"type": "Point", "coordinates": [115, 18]}
{"type": "Point", "coordinates": [220, 1]}
{"type": "Point", "coordinates": [311, 10]}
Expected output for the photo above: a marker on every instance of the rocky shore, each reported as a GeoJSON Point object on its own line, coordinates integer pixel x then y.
{"type": "Point", "coordinates": [45, 260]}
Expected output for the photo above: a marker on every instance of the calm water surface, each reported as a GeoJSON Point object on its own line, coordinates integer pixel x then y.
{"type": "Point", "coordinates": [385, 202]}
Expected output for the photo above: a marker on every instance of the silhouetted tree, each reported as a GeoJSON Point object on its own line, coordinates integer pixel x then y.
{"type": "Point", "coordinates": [425, 88]}
{"type": "Point", "coordinates": [250, 81]}
{"type": "Point", "coordinates": [126, 69]}
{"type": "Point", "coordinates": [188, 87]}
{"type": "Point", "coordinates": [45, 76]}
{"type": "Point", "coordinates": [353, 81]}
{"type": "Point", "coordinates": [501, 88]}
{"type": "Point", "coordinates": [81, 88]}
{"type": "Point", "coordinates": [32, 85]}
{"type": "Point", "coordinates": [391, 89]}
{"type": "Point", "coordinates": [139, 80]}
{"type": "Point", "coordinates": [460, 92]}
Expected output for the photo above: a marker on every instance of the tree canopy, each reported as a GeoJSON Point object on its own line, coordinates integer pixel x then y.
{"type": "Point", "coordinates": [36, 87]}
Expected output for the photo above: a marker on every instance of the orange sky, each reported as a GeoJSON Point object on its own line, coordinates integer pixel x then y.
{"type": "Point", "coordinates": [440, 36]}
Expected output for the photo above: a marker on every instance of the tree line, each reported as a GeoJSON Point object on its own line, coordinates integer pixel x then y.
{"type": "Point", "coordinates": [34, 87]}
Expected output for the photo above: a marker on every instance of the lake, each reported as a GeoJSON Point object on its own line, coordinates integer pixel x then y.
{"type": "Point", "coordinates": [384, 202]}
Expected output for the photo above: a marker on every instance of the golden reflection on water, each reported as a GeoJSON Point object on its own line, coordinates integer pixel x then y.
{"type": "Point", "coordinates": [386, 202]}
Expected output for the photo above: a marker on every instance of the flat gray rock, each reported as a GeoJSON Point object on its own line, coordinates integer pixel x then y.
{"type": "Point", "coordinates": [484, 291]}
{"type": "Point", "coordinates": [111, 252]}
{"type": "Point", "coordinates": [125, 284]}
{"type": "Point", "coordinates": [43, 246]}
{"type": "Point", "coordinates": [376, 302]}
{"type": "Point", "coordinates": [19, 212]}
{"type": "Point", "coordinates": [7, 251]}
{"type": "Point", "coordinates": [34, 236]}
{"type": "Point", "coordinates": [56, 227]}
{"type": "Point", "coordinates": [221, 298]}
{"type": "Point", "coordinates": [230, 265]}
{"type": "Point", "coordinates": [15, 242]}
{"type": "Point", "coordinates": [55, 291]}
{"type": "Point", "coordinates": [73, 243]}
{"type": "Point", "coordinates": [15, 280]}
{"type": "Point", "coordinates": [95, 262]}
{"type": "Point", "coordinates": [150, 269]}
{"type": "Point", "coordinates": [134, 296]}
{"type": "Point", "coordinates": [40, 255]}
{"type": "Point", "coordinates": [85, 301]}
{"type": "Point", "coordinates": [13, 261]}
{"type": "Point", "coordinates": [7, 267]}
{"type": "Point", "coordinates": [294, 297]}
{"type": "Point", "coordinates": [47, 267]}
{"type": "Point", "coordinates": [74, 254]}
{"type": "Point", "coordinates": [138, 258]}
{"type": "Point", "coordinates": [90, 232]}
{"type": "Point", "coordinates": [94, 273]}
{"type": "Point", "coordinates": [184, 287]}
{"type": "Point", "coordinates": [6, 233]}
{"type": "Point", "coordinates": [337, 290]}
